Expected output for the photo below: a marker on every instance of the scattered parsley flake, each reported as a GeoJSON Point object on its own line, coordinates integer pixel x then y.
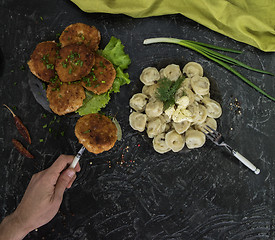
{"type": "Point", "coordinates": [22, 67]}
{"type": "Point", "coordinates": [87, 131]}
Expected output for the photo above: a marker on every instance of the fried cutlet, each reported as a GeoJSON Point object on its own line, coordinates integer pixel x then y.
{"type": "Point", "coordinates": [74, 62]}
{"type": "Point", "coordinates": [102, 76]}
{"type": "Point", "coordinates": [81, 33]}
{"type": "Point", "coordinates": [43, 59]}
{"type": "Point", "coordinates": [96, 132]}
{"type": "Point", "coordinates": [65, 97]}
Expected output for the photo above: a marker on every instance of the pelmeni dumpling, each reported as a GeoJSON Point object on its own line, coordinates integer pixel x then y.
{"type": "Point", "coordinates": [214, 109]}
{"type": "Point", "coordinates": [170, 111]}
{"type": "Point", "coordinates": [181, 115]}
{"type": "Point", "coordinates": [194, 138]}
{"type": "Point", "coordinates": [186, 84]}
{"type": "Point", "coordinates": [156, 126]}
{"type": "Point", "coordinates": [183, 102]}
{"type": "Point", "coordinates": [149, 76]}
{"type": "Point", "coordinates": [202, 114]}
{"type": "Point", "coordinates": [194, 109]}
{"type": "Point", "coordinates": [192, 68]}
{"type": "Point", "coordinates": [154, 108]}
{"type": "Point", "coordinates": [172, 72]}
{"type": "Point", "coordinates": [161, 74]}
{"type": "Point", "coordinates": [211, 122]}
{"type": "Point", "coordinates": [138, 121]}
{"type": "Point", "coordinates": [138, 102]}
{"type": "Point", "coordinates": [181, 127]}
{"type": "Point", "coordinates": [189, 93]}
{"type": "Point", "coordinates": [150, 91]}
{"type": "Point", "coordinates": [174, 140]}
{"type": "Point", "coordinates": [185, 92]}
{"type": "Point", "coordinates": [159, 144]}
{"type": "Point", "coordinates": [200, 85]}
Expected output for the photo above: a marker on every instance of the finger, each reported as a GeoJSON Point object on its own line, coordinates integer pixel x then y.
{"type": "Point", "coordinates": [60, 163]}
{"type": "Point", "coordinates": [63, 181]}
{"type": "Point", "coordinates": [71, 182]}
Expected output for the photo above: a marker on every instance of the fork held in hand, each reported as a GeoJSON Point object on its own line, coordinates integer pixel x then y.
{"type": "Point", "coordinates": [218, 139]}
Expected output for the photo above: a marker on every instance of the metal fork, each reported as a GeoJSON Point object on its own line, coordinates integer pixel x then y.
{"type": "Point", "coordinates": [218, 139]}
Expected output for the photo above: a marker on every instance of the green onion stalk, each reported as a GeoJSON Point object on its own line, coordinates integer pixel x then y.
{"type": "Point", "coordinates": [221, 59]}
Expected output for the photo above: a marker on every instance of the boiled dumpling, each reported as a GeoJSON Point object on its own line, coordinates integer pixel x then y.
{"type": "Point", "coordinates": [172, 72]}
{"type": "Point", "coordinates": [200, 85]}
{"type": "Point", "coordinates": [159, 144]}
{"type": "Point", "coordinates": [214, 109]}
{"type": "Point", "coordinates": [194, 138]}
{"type": "Point", "coordinates": [181, 127]}
{"type": "Point", "coordinates": [211, 122]}
{"type": "Point", "coordinates": [150, 91]}
{"type": "Point", "coordinates": [154, 108]}
{"type": "Point", "coordinates": [174, 141]}
{"type": "Point", "coordinates": [138, 121]}
{"type": "Point", "coordinates": [156, 126]}
{"type": "Point", "coordinates": [192, 68]}
{"type": "Point", "coordinates": [149, 76]}
{"type": "Point", "coordinates": [138, 102]}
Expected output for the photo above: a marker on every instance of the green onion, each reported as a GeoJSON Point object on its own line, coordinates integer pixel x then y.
{"type": "Point", "coordinates": [214, 47]}
{"type": "Point", "coordinates": [41, 140]}
{"type": "Point", "coordinates": [219, 58]}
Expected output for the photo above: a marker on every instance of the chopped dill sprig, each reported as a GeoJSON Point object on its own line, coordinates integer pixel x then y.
{"type": "Point", "coordinates": [167, 90]}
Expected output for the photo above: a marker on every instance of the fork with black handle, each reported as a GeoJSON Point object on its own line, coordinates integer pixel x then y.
{"type": "Point", "coordinates": [218, 139]}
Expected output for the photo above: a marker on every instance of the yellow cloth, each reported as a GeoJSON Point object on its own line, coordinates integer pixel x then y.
{"type": "Point", "coordinates": [248, 21]}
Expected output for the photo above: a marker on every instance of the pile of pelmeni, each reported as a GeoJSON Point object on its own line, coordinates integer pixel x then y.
{"type": "Point", "coordinates": [184, 122]}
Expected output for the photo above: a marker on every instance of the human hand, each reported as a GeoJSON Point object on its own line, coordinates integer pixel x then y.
{"type": "Point", "coordinates": [43, 196]}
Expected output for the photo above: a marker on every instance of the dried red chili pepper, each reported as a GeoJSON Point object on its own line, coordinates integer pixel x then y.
{"type": "Point", "coordinates": [21, 149]}
{"type": "Point", "coordinates": [20, 126]}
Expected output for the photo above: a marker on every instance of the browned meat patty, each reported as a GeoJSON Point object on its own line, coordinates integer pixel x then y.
{"type": "Point", "coordinates": [43, 59]}
{"type": "Point", "coordinates": [81, 33]}
{"type": "Point", "coordinates": [102, 76]}
{"type": "Point", "coordinates": [74, 62]}
{"type": "Point", "coordinates": [96, 132]}
{"type": "Point", "coordinates": [64, 97]}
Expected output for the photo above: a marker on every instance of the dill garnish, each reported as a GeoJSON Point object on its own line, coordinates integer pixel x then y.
{"type": "Point", "coordinates": [167, 90]}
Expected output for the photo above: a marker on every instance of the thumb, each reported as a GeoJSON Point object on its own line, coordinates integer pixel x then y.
{"type": "Point", "coordinates": [63, 181]}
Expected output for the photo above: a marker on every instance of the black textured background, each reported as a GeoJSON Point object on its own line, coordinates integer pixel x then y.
{"type": "Point", "coordinates": [131, 192]}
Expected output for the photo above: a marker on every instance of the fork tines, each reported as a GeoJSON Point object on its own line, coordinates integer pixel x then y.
{"type": "Point", "coordinates": [213, 130]}
{"type": "Point", "coordinates": [211, 133]}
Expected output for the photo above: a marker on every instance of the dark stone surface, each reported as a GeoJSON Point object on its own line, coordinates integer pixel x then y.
{"type": "Point", "coordinates": [131, 192]}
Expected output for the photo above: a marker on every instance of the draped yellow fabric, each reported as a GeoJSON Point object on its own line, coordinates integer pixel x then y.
{"type": "Point", "coordinates": [248, 21]}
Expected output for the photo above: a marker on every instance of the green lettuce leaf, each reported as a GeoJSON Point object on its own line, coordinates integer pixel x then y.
{"type": "Point", "coordinates": [120, 80]}
{"type": "Point", "coordinates": [93, 103]}
{"type": "Point", "coordinates": [114, 52]}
